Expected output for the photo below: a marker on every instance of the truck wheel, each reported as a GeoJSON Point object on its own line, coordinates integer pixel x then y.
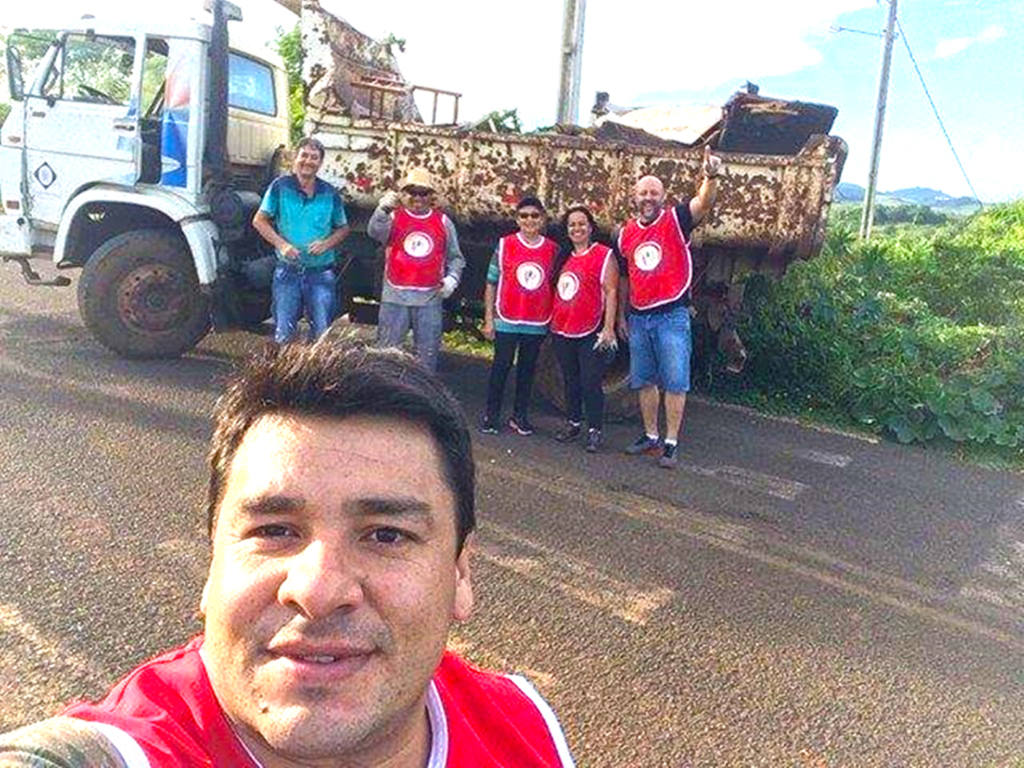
{"type": "Point", "coordinates": [620, 402]}
{"type": "Point", "coordinates": [139, 295]}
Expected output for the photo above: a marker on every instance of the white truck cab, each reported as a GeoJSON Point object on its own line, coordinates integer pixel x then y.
{"type": "Point", "coordinates": [108, 161]}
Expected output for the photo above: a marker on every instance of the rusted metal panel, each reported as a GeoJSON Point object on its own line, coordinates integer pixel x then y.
{"type": "Point", "coordinates": [769, 202]}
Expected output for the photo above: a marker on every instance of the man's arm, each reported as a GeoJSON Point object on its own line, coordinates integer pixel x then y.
{"type": "Point", "coordinates": [701, 203]}
{"type": "Point", "coordinates": [491, 295]}
{"type": "Point", "coordinates": [339, 229]}
{"type": "Point", "coordinates": [379, 225]}
{"type": "Point", "coordinates": [263, 224]}
{"type": "Point", "coordinates": [331, 241]}
{"type": "Point", "coordinates": [60, 742]}
{"type": "Point", "coordinates": [622, 299]}
{"type": "Point", "coordinates": [454, 261]}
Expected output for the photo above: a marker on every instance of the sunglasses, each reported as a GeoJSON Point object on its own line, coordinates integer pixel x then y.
{"type": "Point", "coordinates": [529, 215]}
{"type": "Point", "coordinates": [417, 192]}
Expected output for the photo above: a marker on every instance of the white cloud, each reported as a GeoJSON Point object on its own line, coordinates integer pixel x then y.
{"type": "Point", "coordinates": [946, 48]}
{"type": "Point", "coordinates": [507, 55]}
{"type": "Point", "coordinates": [952, 46]}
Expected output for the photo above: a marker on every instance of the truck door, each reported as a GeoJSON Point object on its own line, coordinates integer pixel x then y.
{"type": "Point", "coordinates": [82, 121]}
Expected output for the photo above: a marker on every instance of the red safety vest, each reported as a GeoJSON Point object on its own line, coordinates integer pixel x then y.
{"type": "Point", "coordinates": [524, 280]}
{"type": "Point", "coordinates": [166, 711]}
{"type": "Point", "coordinates": [416, 249]}
{"type": "Point", "coordinates": [658, 258]}
{"type": "Point", "coordinates": [579, 293]}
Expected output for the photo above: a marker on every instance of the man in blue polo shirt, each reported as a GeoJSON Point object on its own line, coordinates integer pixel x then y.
{"type": "Point", "coordinates": [302, 216]}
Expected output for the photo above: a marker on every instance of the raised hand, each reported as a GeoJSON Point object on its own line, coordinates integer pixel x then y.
{"type": "Point", "coordinates": [712, 164]}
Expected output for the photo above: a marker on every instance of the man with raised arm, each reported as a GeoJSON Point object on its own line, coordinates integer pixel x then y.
{"type": "Point", "coordinates": [654, 304]}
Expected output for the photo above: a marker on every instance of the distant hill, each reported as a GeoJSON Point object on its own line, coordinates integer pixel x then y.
{"type": "Point", "coordinates": [933, 198]}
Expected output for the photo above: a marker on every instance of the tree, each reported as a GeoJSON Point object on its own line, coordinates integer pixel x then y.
{"type": "Point", "coordinates": [289, 47]}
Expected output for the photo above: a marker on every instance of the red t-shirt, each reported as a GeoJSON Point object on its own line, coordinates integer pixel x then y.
{"type": "Point", "coordinates": [164, 714]}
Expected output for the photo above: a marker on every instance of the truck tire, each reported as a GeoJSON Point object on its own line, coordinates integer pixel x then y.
{"type": "Point", "coordinates": [139, 295]}
{"type": "Point", "coordinates": [620, 402]}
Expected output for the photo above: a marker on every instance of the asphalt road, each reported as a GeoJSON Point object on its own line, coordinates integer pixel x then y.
{"type": "Point", "coordinates": [786, 597]}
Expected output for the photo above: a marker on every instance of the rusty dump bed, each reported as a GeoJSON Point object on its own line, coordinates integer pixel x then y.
{"type": "Point", "coordinates": [772, 205]}
{"type": "Point", "coordinates": [781, 165]}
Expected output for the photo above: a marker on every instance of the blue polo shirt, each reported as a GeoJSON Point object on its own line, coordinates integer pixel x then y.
{"type": "Point", "coordinates": [301, 219]}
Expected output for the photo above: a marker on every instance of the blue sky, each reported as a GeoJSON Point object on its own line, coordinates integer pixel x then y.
{"type": "Point", "coordinates": [503, 55]}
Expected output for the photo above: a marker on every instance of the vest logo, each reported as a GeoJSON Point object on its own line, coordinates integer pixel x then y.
{"type": "Point", "coordinates": [530, 275]}
{"type": "Point", "coordinates": [419, 245]}
{"type": "Point", "coordinates": [647, 256]}
{"type": "Point", "coordinates": [568, 286]}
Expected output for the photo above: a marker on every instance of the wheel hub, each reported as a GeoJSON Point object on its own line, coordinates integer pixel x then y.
{"type": "Point", "coordinates": [153, 298]}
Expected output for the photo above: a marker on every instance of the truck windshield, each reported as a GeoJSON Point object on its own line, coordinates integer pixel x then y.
{"type": "Point", "coordinates": [92, 68]}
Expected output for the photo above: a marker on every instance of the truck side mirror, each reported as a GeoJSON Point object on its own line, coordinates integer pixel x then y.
{"type": "Point", "coordinates": [15, 80]}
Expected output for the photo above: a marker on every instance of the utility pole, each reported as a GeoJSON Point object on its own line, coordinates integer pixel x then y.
{"type": "Point", "coordinates": [572, 62]}
{"type": "Point", "coordinates": [868, 215]}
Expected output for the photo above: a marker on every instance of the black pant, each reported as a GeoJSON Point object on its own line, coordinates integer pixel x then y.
{"type": "Point", "coordinates": [583, 370]}
{"type": "Point", "coordinates": [505, 345]}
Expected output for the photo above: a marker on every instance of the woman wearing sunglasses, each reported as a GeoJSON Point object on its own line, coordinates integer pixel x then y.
{"type": "Point", "coordinates": [583, 324]}
{"type": "Point", "coordinates": [517, 308]}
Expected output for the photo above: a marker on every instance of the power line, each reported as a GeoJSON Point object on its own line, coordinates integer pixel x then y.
{"type": "Point", "coordinates": [935, 110]}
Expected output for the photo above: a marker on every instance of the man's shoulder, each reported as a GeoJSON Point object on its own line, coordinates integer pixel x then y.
{"type": "Point", "coordinates": [473, 688]}
{"type": "Point", "coordinates": [503, 712]}
{"type": "Point", "coordinates": [153, 687]}
{"type": "Point", "coordinates": [324, 187]}
{"type": "Point", "coordinates": [285, 181]}
{"type": "Point", "coordinates": [164, 707]}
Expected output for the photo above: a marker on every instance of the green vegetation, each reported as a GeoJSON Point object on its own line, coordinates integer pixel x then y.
{"type": "Point", "coordinates": [289, 47]}
{"type": "Point", "coordinates": [919, 335]}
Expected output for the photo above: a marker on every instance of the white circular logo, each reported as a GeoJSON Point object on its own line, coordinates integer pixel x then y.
{"type": "Point", "coordinates": [418, 245]}
{"type": "Point", "coordinates": [530, 275]}
{"type": "Point", "coordinates": [647, 256]}
{"type": "Point", "coordinates": [568, 286]}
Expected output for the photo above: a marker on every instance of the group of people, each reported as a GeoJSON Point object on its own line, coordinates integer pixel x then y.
{"type": "Point", "coordinates": [341, 507]}
{"type": "Point", "coordinates": [586, 294]}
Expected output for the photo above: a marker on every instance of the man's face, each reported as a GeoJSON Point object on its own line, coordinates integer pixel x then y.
{"type": "Point", "coordinates": [649, 196]}
{"type": "Point", "coordinates": [333, 583]}
{"type": "Point", "coordinates": [418, 199]}
{"type": "Point", "coordinates": [307, 163]}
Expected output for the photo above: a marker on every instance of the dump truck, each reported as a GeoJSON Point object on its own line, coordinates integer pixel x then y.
{"type": "Point", "coordinates": [148, 183]}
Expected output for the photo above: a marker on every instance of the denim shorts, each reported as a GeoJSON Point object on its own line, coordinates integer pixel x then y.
{"type": "Point", "coordinates": [659, 350]}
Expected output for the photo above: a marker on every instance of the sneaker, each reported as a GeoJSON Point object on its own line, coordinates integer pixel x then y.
{"type": "Point", "coordinates": [669, 456]}
{"type": "Point", "coordinates": [642, 444]}
{"type": "Point", "coordinates": [520, 425]}
{"type": "Point", "coordinates": [593, 440]}
{"type": "Point", "coordinates": [488, 426]}
{"type": "Point", "coordinates": [569, 432]}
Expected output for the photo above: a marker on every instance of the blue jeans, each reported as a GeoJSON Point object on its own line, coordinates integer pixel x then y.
{"type": "Point", "coordinates": [659, 350]}
{"type": "Point", "coordinates": [395, 320]}
{"type": "Point", "coordinates": [295, 288]}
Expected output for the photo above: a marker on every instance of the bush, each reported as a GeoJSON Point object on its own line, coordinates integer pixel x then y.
{"type": "Point", "coordinates": [917, 336]}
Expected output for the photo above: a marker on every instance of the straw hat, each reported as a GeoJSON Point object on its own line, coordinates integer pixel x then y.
{"type": "Point", "coordinates": [418, 177]}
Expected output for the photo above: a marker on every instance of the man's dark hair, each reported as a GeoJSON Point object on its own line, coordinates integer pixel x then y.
{"type": "Point", "coordinates": [338, 378]}
{"type": "Point", "coordinates": [309, 141]}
